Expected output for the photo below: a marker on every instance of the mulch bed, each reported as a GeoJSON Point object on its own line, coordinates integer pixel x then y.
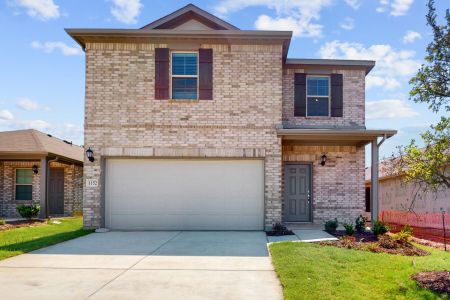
{"type": "Point", "coordinates": [364, 237]}
{"type": "Point", "coordinates": [438, 281]}
{"type": "Point", "coordinates": [371, 243]}
{"type": "Point", "coordinates": [277, 233]}
{"type": "Point", "coordinates": [22, 223]}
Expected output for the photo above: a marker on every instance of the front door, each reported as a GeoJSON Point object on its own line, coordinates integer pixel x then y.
{"type": "Point", "coordinates": [56, 191]}
{"type": "Point", "coordinates": [297, 193]}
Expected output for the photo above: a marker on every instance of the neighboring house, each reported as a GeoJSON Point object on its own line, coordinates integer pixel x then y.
{"type": "Point", "coordinates": [396, 194]}
{"type": "Point", "coordinates": [195, 124]}
{"type": "Point", "coordinates": [36, 168]}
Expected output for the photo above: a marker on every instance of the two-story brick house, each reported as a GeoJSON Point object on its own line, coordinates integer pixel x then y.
{"type": "Point", "coordinates": [195, 124]}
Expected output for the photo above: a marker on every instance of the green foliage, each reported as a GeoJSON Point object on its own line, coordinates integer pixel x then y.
{"type": "Point", "coordinates": [431, 85]}
{"type": "Point", "coordinates": [28, 211]}
{"type": "Point", "coordinates": [2, 221]}
{"type": "Point", "coordinates": [331, 225]}
{"type": "Point", "coordinates": [360, 224]}
{"type": "Point", "coordinates": [428, 167]}
{"type": "Point", "coordinates": [25, 239]}
{"type": "Point", "coordinates": [380, 227]}
{"type": "Point", "coordinates": [311, 271]}
{"type": "Point", "coordinates": [349, 230]}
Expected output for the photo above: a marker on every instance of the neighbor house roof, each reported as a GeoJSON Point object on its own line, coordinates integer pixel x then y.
{"type": "Point", "coordinates": [35, 143]}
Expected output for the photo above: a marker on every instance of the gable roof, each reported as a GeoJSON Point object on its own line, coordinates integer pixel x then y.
{"type": "Point", "coordinates": [34, 142]}
{"type": "Point", "coordinates": [187, 13]}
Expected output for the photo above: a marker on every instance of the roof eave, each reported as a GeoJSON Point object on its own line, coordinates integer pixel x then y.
{"type": "Point", "coordinates": [368, 65]}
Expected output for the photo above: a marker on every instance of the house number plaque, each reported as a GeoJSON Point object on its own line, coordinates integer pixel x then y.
{"type": "Point", "coordinates": [91, 183]}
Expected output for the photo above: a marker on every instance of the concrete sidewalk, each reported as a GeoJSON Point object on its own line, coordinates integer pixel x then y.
{"type": "Point", "coordinates": [145, 265]}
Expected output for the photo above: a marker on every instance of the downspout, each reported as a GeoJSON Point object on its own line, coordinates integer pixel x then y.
{"type": "Point", "coordinates": [46, 184]}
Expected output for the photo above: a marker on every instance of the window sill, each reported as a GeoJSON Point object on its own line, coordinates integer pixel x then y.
{"type": "Point", "coordinates": [318, 118]}
{"type": "Point", "coordinates": [184, 100]}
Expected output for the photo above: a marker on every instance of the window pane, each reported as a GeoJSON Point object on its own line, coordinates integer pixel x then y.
{"type": "Point", "coordinates": [317, 107]}
{"type": "Point", "coordinates": [318, 86]}
{"type": "Point", "coordinates": [24, 176]}
{"type": "Point", "coordinates": [24, 192]}
{"type": "Point", "coordinates": [184, 88]}
{"type": "Point", "coordinates": [184, 63]}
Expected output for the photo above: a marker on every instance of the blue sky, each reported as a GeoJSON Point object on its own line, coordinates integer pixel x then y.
{"type": "Point", "coordinates": [42, 68]}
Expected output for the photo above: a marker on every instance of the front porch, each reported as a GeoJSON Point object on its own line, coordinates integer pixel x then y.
{"type": "Point", "coordinates": [323, 174]}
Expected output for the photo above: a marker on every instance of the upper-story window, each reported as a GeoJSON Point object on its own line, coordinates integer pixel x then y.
{"type": "Point", "coordinates": [184, 75]}
{"type": "Point", "coordinates": [318, 96]}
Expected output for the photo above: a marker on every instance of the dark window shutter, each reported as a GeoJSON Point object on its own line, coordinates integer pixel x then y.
{"type": "Point", "coordinates": [337, 95]}
{"type": "Point", "coordinates": [162, 73]}
{"type": "Point", "coordinates": [300, 95]}
{"type": "Point", "coordinates": [205, 66]}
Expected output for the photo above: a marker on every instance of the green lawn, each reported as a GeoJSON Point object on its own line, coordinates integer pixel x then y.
{"type": "Point", "coordinates": [310, 271]}
{"type": "Point", "coordinates": [20, 240]}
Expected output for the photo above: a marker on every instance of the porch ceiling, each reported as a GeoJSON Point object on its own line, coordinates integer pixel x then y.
{"type": "Point", "coordinates": [355, 137]}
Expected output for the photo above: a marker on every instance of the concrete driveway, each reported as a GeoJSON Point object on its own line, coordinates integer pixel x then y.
{"type": "Point", "coordinates": [145, 265]}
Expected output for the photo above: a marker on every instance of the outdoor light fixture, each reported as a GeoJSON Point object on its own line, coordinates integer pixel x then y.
{"type": "Point", "coordinates": [90, 154]}
{"type": "Point", "coordinates": [35, 169]}
{"type": "Point", "coordinates": [323, 160]}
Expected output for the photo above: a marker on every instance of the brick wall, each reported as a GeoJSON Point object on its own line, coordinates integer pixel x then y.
{"type": "Point", "coordinates": [72, 186]}
{"type": "Point", "coordinates": [338, 187]}
{"type": "Point", "coordinates": [123, 118]}
{"type": "Point", "coordinates": [354, 101]}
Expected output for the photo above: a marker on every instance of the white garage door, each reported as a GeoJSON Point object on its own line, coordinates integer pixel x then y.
{"type": "Point", "coordinates": [173, 194]}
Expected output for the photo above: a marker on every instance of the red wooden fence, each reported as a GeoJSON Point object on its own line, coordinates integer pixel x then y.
{"type": "Point", "coordinates": [425, 225]}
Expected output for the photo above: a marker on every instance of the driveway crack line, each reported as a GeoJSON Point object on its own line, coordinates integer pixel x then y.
{"type": "Point", "coordinates": [129, 268]}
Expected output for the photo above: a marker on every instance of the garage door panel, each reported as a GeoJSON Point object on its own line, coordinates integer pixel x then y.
{"type": "Point", "coordinates": [165, 194]}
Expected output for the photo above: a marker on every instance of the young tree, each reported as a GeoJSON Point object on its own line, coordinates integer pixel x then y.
{"type": "Point", "coordinates": [428, 168]}
{"type": "Point", "coordinates": [431, 85]}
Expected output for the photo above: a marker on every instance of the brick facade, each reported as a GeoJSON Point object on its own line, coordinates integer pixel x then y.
{"type": "Point", "coordinates": [252, 96]}
{"type": "Point", "coordinates": [73, 175]}
{"type": "Point", "coordinates": [124, 119]}
{"type": "Point", "coordinates": [354, 101]}
{"type": "Point", "coordinates": [338, 186]}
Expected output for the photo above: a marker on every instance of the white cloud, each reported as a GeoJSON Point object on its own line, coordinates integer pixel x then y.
{"type": "Point", "coordinates": [49, 47]}
{"type": "Point", "coordinates": [6, 115]}
{"type": "Point", "coordinates": [391, 65]}
{"type": "Point", "coordinates": [39, 9]}
{"type": "Point", "coordinates": [126, 11]}
{"type": "Point", "coordinates": [396, 7]}
{"type": "Point", "coordinates": [355, 4]}
{"type": "Point", "coordinates": [411, 36]}
{"type": "Point", "coordinates": [348, 24]}
{"type": "Point", "coordinates": [27, 104]}
{"type": "Point", "coordinates": [389, 109]}
{"type": "Point", "coordinates": [300, 16]}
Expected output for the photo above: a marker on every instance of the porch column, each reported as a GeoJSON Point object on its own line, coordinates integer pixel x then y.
{"type": "Point", "coordinates": [374, 183]}
{"type": "Point", "coordinates": [43, 188]}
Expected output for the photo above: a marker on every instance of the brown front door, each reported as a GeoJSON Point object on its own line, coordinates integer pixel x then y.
{"type": "Point", "coordinates": [297, 193]}
{"type": "Point", "coordinates": [56, 192]}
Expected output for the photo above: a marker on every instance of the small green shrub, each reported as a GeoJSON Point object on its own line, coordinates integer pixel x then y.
{"type": "Point", "coordinates": [2, 222]}
{"type": "Point", "coordinates": [331, 225]}
{"type": "Point", "coordinates": [380, 227]}
{"type": "Point", "coordinates": [403, 237]}
{"type": "Point", "coordinates": [349, 230]}
{"type": "Point", "coordinates": [28, 211]}
{"type": "Point", "coordinates": [360, 224]}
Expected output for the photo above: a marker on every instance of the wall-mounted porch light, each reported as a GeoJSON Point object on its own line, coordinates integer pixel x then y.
{"type": "Point", "coordinates": [35, 169]}
{"type": "Point", "coordinates": [323, 160]}
{"type": "Point", "coordinates": [90, 154]}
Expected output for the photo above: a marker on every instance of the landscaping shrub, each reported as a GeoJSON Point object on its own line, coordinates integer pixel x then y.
{"type": "Point", "coordinates": [28, 211]}
{"type": "Point", "coordinates": [349, 230]}
{"type": "Point", "coordinates": [379, 227]}
{"type": "Point", "coordinates": [2, 222]}
{"type": "Point", "coordinates": [360, 224]}
{"type": "Point", "coordinates": [403, 237]}
{"type": "Point", "coordinates": [331, 225]}
{"type": "Point", "coordinates": [279, 229]}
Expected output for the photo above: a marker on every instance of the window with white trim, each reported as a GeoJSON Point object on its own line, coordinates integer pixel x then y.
{"type": "Point", "coordinates": [24, 184]}
{"type": "Point", "coordinates": [184, 75]}
{"type": "Point", "coordinates": [318, 96]}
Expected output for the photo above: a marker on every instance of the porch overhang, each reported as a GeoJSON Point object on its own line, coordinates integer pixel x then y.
{"type": "Point", "coordinates": [354, 137]}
